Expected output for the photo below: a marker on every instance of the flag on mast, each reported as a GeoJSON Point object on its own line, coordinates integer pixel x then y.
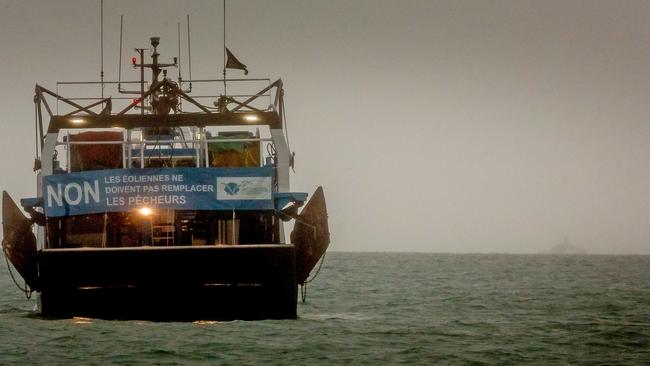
{"type": "Point", "coordinates": [234, 63]}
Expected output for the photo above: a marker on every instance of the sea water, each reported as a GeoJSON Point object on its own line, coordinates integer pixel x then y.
{"type": "Point", "coordinates": [385, 308]}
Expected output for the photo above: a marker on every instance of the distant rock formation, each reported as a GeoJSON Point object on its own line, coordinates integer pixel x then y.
{"type": "Point", "coordinates": [566, 248]}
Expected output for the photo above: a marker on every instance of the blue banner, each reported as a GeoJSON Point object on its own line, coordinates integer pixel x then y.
{"type": "Point", "coordinates": [117, 190]}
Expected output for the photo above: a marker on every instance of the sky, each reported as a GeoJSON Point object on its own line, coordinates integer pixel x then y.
{"type": "Point", "coordinates": [433, 126]}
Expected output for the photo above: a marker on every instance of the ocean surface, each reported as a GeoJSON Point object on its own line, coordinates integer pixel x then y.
{"type": "Point", "coordinates": [387, 309]}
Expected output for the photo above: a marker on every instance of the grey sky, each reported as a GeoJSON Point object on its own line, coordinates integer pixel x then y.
{"type": "Point", "coordinates": [456, 126]}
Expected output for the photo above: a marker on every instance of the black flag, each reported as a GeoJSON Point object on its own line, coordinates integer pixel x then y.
{"type": "Point", "coordinates": [233, 62]}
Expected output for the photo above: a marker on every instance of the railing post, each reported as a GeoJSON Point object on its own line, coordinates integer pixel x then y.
{"type": "Point", "coordinates": [68, 153]}
{"type": "Point", "coordinates": [196, 143]}
{"type": "Point", "coordinates": [124, 145]}
{"type": "Point", "coordinates": [129, 151]}
{"type": "Point", "coordinates": [205, 149]}
{"type": "Point", "coordinates": [143, 145]}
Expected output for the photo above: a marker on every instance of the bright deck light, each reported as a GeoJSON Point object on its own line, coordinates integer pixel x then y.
{"type": "Point", "coordinates": [251, 118]}
{"type": "Point", "coordinates": [145, 211]}
{"type": "Point", "coordinates": [78, 121]}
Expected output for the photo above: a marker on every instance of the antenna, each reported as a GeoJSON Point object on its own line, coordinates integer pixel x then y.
{"type": "Point", "coordinates": [225, 88]}
{"type": "Point", "coordinates": [101, 36]}
{"type": "Point", "coordinates": [189, 51]}
{"type": "Point", "coordinates": [119, 74]}
{"type": "Point", "coordinates": [180, 78]}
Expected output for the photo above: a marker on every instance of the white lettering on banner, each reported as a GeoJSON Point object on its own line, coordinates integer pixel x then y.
{"type": "Point", "coordinates": [54, 195]}
{"type": "Point", "coordinates": [187, 188]}
{"type": "Point", "coordinates": [244, 188]}
{"type": "Point", "coordinates": [88, 191]}
{"type": "Point", "coordinates": [73, 193]}
{"type": "Point", "coordinates": [157, 200]}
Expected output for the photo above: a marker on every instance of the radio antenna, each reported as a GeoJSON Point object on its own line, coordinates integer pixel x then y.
{"type": "Point", "coordinates": [119, 74]}
{"type": "Point", "coordinates": [189, 50]}
{"type": "Point", "coordinates": [180, 78]}
{"type": "Point", "coordinates": [225, 88]}
{"type": "Point", "coordinates": [101, 36]}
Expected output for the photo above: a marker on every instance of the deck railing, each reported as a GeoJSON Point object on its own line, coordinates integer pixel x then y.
{"type": "Point", "coordinates": [199, 148]}
{"type": "Point", "coordinates": [199, 89]}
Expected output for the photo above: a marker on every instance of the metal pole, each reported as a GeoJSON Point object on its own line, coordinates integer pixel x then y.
{"type": "Point", "coordinates": [129, 151]}
{"type": "Point", "coordinates": [142, 147]}
{"type": "Point", "coordinates": [233, 227]}
{"type": "Point", "coordinates": [197, 147]}
{"type": "Point", "coordinates": [205, 147]}
{"type": "Point", "coordinates": [36, 138]}
{"type": "Point", "coordinates": [180, 78]}
{"type": "Point", "coordinates": [101, 22]}
{"type": "Point", "coordinates": [102, 46]}
{"type": "Point", "coordinates": [189, 51]}
{"type": "Point", "coordinates": [225, 88]}
{"type": "Point", "coordinates": [68, 154]}
{"type": "Point", "coordinates": [40, 123]}
{"type": "Point", "coordinates": [119, 73]}
{"type": "Point", "coordinates": [124, 145]}
{"type": "Point", "coordinates": [141, 51]}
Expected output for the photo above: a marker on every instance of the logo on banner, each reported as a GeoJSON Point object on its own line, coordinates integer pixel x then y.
{"type": "Point", "coordinates": [232, 188]}
{"type": "Point", "coordinates": [244, 188]}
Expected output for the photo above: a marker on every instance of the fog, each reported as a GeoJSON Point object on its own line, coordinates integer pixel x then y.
{"type": "Point", "coordinates": [434, 126]}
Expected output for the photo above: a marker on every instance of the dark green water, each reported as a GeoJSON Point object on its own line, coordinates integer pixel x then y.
{"type": "Point", "coordinates": [388, 309]}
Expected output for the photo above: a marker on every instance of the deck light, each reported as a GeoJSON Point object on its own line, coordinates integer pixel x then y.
{"type": "Point", "coordinates": [145, 211]}
{"type": "Point", "coordinates": [251, 118]}
{"type": "Point", "coordinates": [78, 121]}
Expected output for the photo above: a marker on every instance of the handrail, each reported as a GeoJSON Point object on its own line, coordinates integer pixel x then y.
{"type": "Point", "coordinates": [266, 93]}
{"type": "Point", "coordinates": [60, 143]}
{"type": "Point", "coordinates": [97, 82]}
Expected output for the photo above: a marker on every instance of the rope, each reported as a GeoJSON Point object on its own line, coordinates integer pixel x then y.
{"type": "Point", "coordinates": [322, 259]}
{"type": "Point", "coordinates": [303, 292]}
{"type": "Point", "coordinates": [28, 293]}
{"type": "Point", "coordinates": [270, 149]}
{"type": "Point", "coordinates": [303, 287]}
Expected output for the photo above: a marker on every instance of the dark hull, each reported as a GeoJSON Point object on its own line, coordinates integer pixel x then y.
{"type": "Point", "coordinates": [170, 283]}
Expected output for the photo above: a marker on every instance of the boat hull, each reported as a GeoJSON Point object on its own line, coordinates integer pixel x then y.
{"type": "Point", "coordinates": [170, 283]}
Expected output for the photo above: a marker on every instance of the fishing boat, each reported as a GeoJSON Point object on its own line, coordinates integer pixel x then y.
{"type": "Point", "coordinates": [171, 207]}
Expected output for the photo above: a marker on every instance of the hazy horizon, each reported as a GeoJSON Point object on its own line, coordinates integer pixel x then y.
{"type": "Point", "coordinates": [433, 126]}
